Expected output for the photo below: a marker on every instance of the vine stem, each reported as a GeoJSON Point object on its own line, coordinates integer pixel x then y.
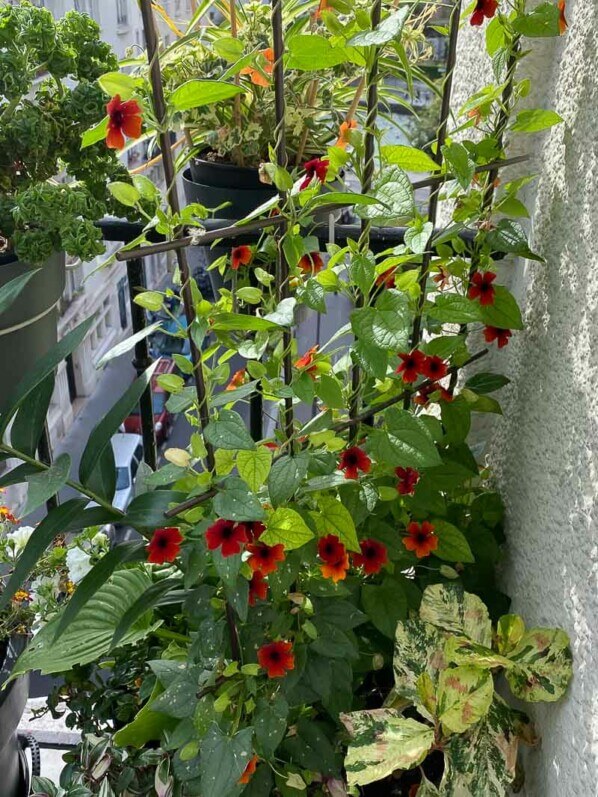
{"type": "Point", "coordinates": [445, 110]}
{"type": "Point", "coordinates": [282, 270]}
{"type": "Point", "coordinates": [366, 186]}
{"type": "Point", "coordinates": [42, 466]}
{"type": "Point", "coordinates": [159, 105]}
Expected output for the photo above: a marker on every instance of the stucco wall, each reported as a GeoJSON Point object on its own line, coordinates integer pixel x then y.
{"type": "Point", "coordinates": [545, 450]}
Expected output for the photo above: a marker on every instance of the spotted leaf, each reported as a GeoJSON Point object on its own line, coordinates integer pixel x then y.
{"type": "Point", "coordinates": [542, 665]}
{"type": "Point", "coordinates": [464, 697]}
{"type": "Point", "coordinates": [450, 607]}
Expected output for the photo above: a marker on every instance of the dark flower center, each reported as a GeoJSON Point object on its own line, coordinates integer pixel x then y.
{"type": "Point", "coordinates": [275, 656]}
{"type": "Point", "coordinates": [421, 536]}
{"type": "Point", "coordinates": [162, 541]}
{"type": "Point", "coordinates": [116, 117]}
{"type": "Point", "coordinates": [227, 532]}
{"type": "Point", "coordinates": [351, 459]}
{"type": "Point", "coordinates": [370, 553]}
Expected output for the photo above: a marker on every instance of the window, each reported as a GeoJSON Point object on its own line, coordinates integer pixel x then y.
{"type": "Point", "coordinates": [122, 12]}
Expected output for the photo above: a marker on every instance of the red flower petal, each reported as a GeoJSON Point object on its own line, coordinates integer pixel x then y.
{"type": "Point", "coordinates": [372, 558]}
{"type": "Point", "coordinates": [164, 545]}
{"type": "Point", "coordinates": [353, 460]}
{"type": "Point", "coordinates": [276, 658]}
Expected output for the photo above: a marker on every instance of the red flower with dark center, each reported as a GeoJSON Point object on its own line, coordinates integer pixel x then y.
{"type": "Point", "coordinates": [240, 256]}
{"type": "Point", "coordinates": [226, 535]}
{"type": "Point", "coordinates": [6, 516]}
{"type": "Point", "coordinates": [255, 529]}
{"type": "Point", "coordinates": [265, 557]}
{"type": "Point", "coordinates": [258, 588]}
{"type": "Point", "coordinates": [408, 478]}
{"type": "Point", "coordinates": [249, 770]}
{"type": "Point", "coordinates": [434, 368]}
{"type": "Point", "coordinates": [420, 539]}
{"type": "Point", "coordinates": [307, 361]}
{"type": "Point", "coordinates": [484, 9]}
{"type": "Point", "coordinates": [387, 278]}
{"type": "Point", "coordinates": [354, 460]}
{"type": "Point", "coordinates": [411, 365]}
{"type": "Point", "coordinates": [372, 558]}
{"type": "Point", "coordinates": [124, 119]}
{"type": "Point", "coordinates": [276, 658]}
{"type": "Point", "coordinates": [481, 287]}
{"type": "Point", "coordinates": [318, 168]}
{"type": "Point", "coordinates": [330, 548]}
{"type": "Point", "coordinates": [337, 570]}
{"type": "Point", "coordinates": [423, 396]}
{"type": "Point", "coordinates": [164, 545]}
{"type": "Point", "coordinates": [311, 263]}
{"type": "Point", "coordinates": [500, 335]}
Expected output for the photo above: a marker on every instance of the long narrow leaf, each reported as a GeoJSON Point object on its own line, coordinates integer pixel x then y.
{"type": "Point", "coordinates": [28, 425]}
{"type": "Point", "coordinates": [126, 345]}
{"type": "Point", "coordinates": [97, 577]}
{"type": "Point", "coordinates": [45, 484]}
{"type": "Point", "coordinates": [99, 439]}
{"type": "Point", "coordinates": [143, 604]}
{"type": "Point", "coordinates": [42, 369]}
{"type": "Point", "coordinates": [12, 289]}
{"type": "Point", "coordinates": [18, 475]}
{"type": "Point", "coordinates": [54, 523]}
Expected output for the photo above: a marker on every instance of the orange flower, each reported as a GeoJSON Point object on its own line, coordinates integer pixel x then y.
{"type": "Point", "coordinates": [343, 133]}
{"type": "Point", "coordinates": [336, 570]}
{"type": "Point", "coordinates": [324, 6]}
{"type": "Point", "coordinates": [476, 115]}
{"type": "Point", "coordinates": [307, 360]}
{"type": "Point", "coordinates": [276, 658]}
{"type": "Point", "coordinates": [562, 20]}
{"type": "Point", "coordinates": [238, 379]}
{"type": "Point", "coordinates": [240, 256]}
{"type": "Point", "coordinates": [249, 770]}
{"type": "Point", "coordinates": [257, 76]}
{"type": "Point", "coordinates": [6, 516]}
{"type": "Point", "coordinates": [420, 539]}
{"type": "Point", "coordinates": [311, 262]}
{"type": "Point", "coordinates": [124, 119]}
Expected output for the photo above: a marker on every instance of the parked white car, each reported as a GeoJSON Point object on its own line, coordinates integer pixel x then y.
{"type": "Point", "coordinates": [128, 453]}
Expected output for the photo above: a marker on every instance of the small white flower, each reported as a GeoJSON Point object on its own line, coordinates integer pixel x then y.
{"type": "Point", "coordinates": [78, 563]}
{"type": "Point", "coordinates": [100, 540]}
{"type": "Point", "coordinates": [19, 538]}
{"type": "Point", "coordinates": [44, 589]}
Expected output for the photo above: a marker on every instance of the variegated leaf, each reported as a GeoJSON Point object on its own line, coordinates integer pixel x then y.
{"type": "Point", "coordinates": [464, 697]}
{"type": "Point", "coordinates": [428, 789]}
{"type": "Point", "coordinates": [418, 649]}
{"type": "Point", "coordinates": [542, 665]}
{"type": "Point", "coordinates": [460, 650]}
{"type": "Point", "coordinates": [509, 630]}
{"type": "Point", "coordinates": [481, 763]}
{"type": "Point", "coordinates": [450, 607]}
{"type": "Point", "coordinates": [382, 740]}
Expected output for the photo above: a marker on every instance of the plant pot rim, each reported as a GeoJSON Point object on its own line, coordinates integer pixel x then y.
{"type": "Point", "coordinates": [225, 165]}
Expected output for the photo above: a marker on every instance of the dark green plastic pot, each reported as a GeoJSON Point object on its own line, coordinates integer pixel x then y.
{"type": "Point", "coordinates": [28, 327]}
{"type": "Point", "coordinates": [13, 774]}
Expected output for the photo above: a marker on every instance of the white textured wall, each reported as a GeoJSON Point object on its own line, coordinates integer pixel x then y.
{"type": "Point", "coordinates": [545, 450]}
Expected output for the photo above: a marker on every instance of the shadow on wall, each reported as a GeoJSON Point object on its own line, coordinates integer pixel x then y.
{"type": "Point", "coordinates": [546, 448]}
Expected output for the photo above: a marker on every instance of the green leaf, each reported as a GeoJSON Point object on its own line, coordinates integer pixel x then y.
{"type": "Point", "coordinates": [464, 697]}
{"type": "Point", "coordinates": [45, 484]}
{"type": "Point", "coordinates": [149, 300]}
{"type": "Point", "coordinates": [42, 369]}
{"type": "Point", "coordinates": [542, 665]}
{"type": "Point", "coordinates": [97, 577]}
{"type": "Point", "coordinates": [229, 432]}
{"type": "Point", "coordinates": [144, 603]}
{"type": "Point", "coordinates": [254, 466]}
{"type": "Point", "coordinates": [311, 749]}
{"type": "Point", "coordinates": [28, 426]}
{"type": "Point", "coordinates": [495, 36]}
{"type": "Point", "coordinates": [231, 322]}
{"type": "Point", "coordinates": [407, 442]}
{"type": "Point", "coordinates": [329, 390]}
{"type": "Point", "coordinates": [504, 313]}
{"type": "Point", "coordinates": [452, 544]}
{"type": "Point", "coordinates": [408, 158]}
{"type": "Point", "coordinates": [54, 523]}
{"type": "Point", "coordinates": [450, 308]}
{"type": "Point", "coordinates": [532, 121]}
{"type": "Point", "coordinates": [128, 343]}
{"type": "Point", "coordinates": [394, 193]}
{"type": "Point", "coordinates": [94, 134]}
{"type": "Point", "coordinates": [146, 511]}
{"type": "Point", "coordinates": [119, 83]}
{"type": "Point", "coordinates": [418, 650]}
{"type": "Point", "coordinates": [390, 28]}
{"type": "Point", "coordinates": [270, 724]}
{"type": "Point", "coordinates": [509, 236]}
{"type": "Point", "coordinates": [285, 477]}
{"type": "Point", "coordinates": [456, 418]}
{"type": "Point", "coordinates": [382, 740]}
{"type": "Point", "coordinates": [223, 760]}
{"type": "Point", "coordinates": [12, 289]}
{"type": "Point", "coordinates": [385, 326]}
{"type": "Point", "coordinates": [125, 193]}
{"type": "Point", "coordinates": [147, 726]}
{"type": "Point", "coordinates": [229, 396]}
{"type": "Point", "coordinates": [287, 527]}
{"type": "Point", "coordinates": [199, 93]}
{"type": "Point", "coordinates": [460, 650]}
{"type": "Point", "coordinates": [235, 502]}
{"type": "Point", "coordinates": [310, 52]}
{"type": "Point", "coordinates": [542, 21]}
{"type": "Point", "coordinates": [450, 607]}
{"type": "Point", "coordinates": [89, 636]}
{"type": "Point", "coordinates": [334, 518]}
{"type": "Point", "coordinates": [509, 631]}
{"type": "Point", "coordinates": [96, 468]}
{"type": "Point", "coordinates": [284, 314]}
{"type": "Point", "coordinates": [486, 382]}
{"type": "Point", "coordinates": [385, 604]}
{"type": "Point", "coordinates": [459, 163]}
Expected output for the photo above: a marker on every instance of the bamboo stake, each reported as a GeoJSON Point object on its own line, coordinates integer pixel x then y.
{"type": "Point", "coordinates": [237, 99]}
